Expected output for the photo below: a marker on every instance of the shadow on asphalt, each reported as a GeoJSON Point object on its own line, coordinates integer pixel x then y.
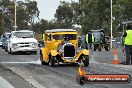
{"type": "Point", "coordinates": [24, 53]}
{"type": "Point", "coordinates": [67, 65]}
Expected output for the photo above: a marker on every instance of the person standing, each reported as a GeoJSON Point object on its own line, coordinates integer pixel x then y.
{"type": "Point", "coordinates": [128, 44]}
{"type": "Point", "coordinates": [86, 41]}
{"type": "Point", "coordinates": [89, 40]}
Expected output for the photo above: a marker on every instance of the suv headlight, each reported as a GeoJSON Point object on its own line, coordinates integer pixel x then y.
{"type": "Point", "coordinates": [14, 45]}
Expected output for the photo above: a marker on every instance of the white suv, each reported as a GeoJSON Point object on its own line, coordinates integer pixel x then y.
{"type": "Point", "coordinates": [22, 41]}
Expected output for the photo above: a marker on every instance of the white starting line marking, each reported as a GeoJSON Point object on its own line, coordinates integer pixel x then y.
{"type": "Point", "coordinates": [4, 83]}
{"type": "Point", "coordinates": [31, 62]}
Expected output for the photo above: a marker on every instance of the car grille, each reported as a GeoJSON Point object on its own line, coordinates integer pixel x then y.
{"type": "Point", "coordinates": [26, 44]}
{"type": "Point", "coordinates": [23, 43]}
{"type": "Point", "coordinates": [69, 50]}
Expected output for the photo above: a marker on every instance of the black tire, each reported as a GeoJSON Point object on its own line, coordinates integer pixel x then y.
{"type": "Point", "coordinates": [13, 53]}
{"type": "Point", "coordinates": [35, 52]}
{"type": "Point", "coordinates": [6, 49]}
{"type": "Point", "coordinates": [95, 47]}
{"type": "Point", "coordinates": [81, 80]}
{"type": "Point", "coordinates": [86, 61]}
{"type": "Point", "coordinates": [3, 47]}
{"type": "Point", "coordinates": [99, 48]}
{"type": "Point", "coordinates": [9, 51]}
{"type": "Point", "coordinates": [41, 59]}
{"type": "Point", "coordinates": [52, 61]}
{"type": "Point", "coordinates": [106, 48]}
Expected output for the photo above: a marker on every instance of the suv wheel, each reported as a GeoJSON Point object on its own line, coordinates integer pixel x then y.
{"type": "Point", "coordinates": [2, 47]}
{"type": "Point", "coordinates": [35, 52]}
{"type": "Point", "coordinates": [9, 51]}
{"type": "Point", "coordinates": [6, 49]}
{"type": "Point", "coordinates": [12, 53]}
{"type": "Point", "coordinates": [52, 61]}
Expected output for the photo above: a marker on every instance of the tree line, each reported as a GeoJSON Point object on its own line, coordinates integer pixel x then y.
{"type": "Point", "coordinates": [89, 14]}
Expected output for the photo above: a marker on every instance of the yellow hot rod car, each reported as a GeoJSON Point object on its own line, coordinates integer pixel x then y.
{"type": "Point", "coordinates": [61, 45]}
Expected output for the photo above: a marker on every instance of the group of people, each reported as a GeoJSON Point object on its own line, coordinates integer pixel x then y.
{"type": "Point", "coordinates": [128, 44]}
{"type": "Point", "coordinates": [127, 36]}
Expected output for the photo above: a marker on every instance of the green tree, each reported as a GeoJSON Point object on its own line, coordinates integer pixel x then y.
{"type": "Point", "coordinates": [64, 14]}
{"type": "Point", "coordinates": [122, 12]}
{"type": "Point", "coordinates": [1, 24]}
{"type": "Point", "coordinates": [77, 12]}
{"type": "Point", "coordinates": [26, 13]}
{"type": "Point", "coordinates": [32, 10]}
{"type": "Point", "coordinates": [95, 14]}
{"type": "Point", "coordinates": [5, 10]}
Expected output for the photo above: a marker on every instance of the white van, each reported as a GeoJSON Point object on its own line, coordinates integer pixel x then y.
{"type": "Point", "coordinates": [22, 41]}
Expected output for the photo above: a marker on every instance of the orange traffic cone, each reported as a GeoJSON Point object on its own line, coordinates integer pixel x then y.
{"type": "Point", "coordinates": [82, 72]}
{"type": "Point", "coordinates": [115, 57]}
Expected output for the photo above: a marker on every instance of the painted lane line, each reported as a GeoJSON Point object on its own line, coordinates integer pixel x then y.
{"type": "Point", "coordinates": [27, 77]}
{"type": "Point", "coordinates": [30, 62]}
{"type": "Point", "coordinates": [4, 83]}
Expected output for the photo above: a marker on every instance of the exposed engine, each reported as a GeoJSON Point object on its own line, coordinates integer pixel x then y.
{"type": "Point", "coordinates": [67, 49]}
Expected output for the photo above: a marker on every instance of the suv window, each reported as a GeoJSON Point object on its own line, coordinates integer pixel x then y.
{"type": "Point", "coordinates": [23, 34]}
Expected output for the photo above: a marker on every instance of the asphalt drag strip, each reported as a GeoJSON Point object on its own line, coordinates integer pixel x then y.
{"type": "Point", "coordinates": [64, 76]}
{"type": "Point", "coordinates": [9, 79]}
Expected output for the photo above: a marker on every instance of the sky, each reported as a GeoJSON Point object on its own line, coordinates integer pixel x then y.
{"type": "Point", "coordinates": [48, 8]}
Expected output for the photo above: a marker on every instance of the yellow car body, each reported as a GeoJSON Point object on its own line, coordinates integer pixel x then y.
{"type": "Point", "coordinates": [61, 45]}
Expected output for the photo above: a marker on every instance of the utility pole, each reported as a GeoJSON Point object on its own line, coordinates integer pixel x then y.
{"type": "Point", "coordinates": [111, 25]}
{"type": "Point", "coordinates": [15, 26]}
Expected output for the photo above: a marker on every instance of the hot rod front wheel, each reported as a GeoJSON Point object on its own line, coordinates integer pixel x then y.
{"type": "Point", "coordinates": [86, 60]}
{"type": "Point", "coordinates": [52, 61]}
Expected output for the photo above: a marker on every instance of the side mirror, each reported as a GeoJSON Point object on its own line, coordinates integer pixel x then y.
{"type": "Point", "coordinates": [40, 43]}
{"type": "Point", "coordinates": [9, 36]}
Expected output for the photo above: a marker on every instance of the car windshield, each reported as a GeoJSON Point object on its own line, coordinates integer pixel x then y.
{"type": "Point", "coordinates": [23, 34]}
{"type": "Point", "coordinates": [97, 36]}
{"type": "Point", "coordinates": [65, 37]}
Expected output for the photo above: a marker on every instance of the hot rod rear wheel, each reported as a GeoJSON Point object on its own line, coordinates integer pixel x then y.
{"type": "Point", "coordinates": [86, 61]}
{"type": "Point", "coordinates": [41, 59]}
{"type": "Point", "coordinates": [52, 61]}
